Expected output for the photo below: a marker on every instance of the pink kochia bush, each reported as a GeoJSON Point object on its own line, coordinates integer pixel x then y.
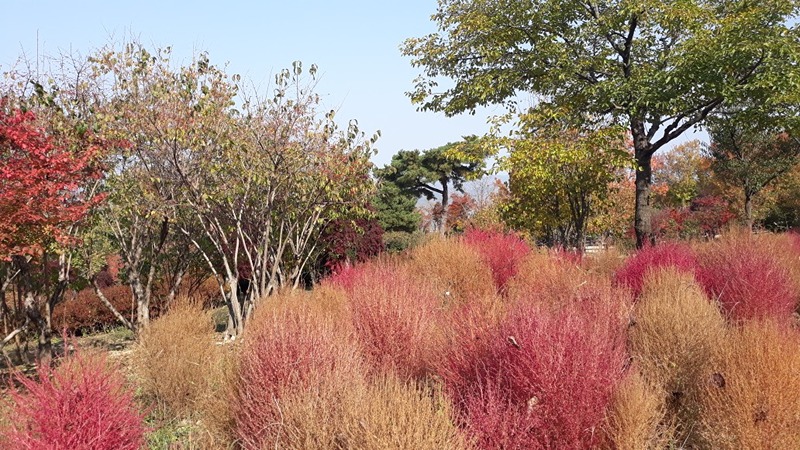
{"type": "Point", "coordinates": [502, 252]}
{"type": "Point", "coordinates": [672, 254]}
{"type": "Point", "coordinates": [81, 405]}
{"type": "Point", "coordinates": [540, 380]}
{"type": "Point", "coordinates": [747, 280]}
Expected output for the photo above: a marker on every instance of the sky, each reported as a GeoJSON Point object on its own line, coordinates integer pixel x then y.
{"type": "Point", "coordinates": [354, 43]}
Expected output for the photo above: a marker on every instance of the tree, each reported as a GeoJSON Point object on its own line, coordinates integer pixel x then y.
{"type": "Point", "coordinates": [750, 156]}
{"type": "Point", "coordinates": [684, 171]}
{"type": "Point", "coordinates": [396, 210]}
{"type": "Point", "coordinates": [558, 178]}
{"type": "Point", "coordinates": [658, 68]}
{"type": "Point", "coordinates": [42, 202]}
{"type": "Point", "coordinates": [418, 173]}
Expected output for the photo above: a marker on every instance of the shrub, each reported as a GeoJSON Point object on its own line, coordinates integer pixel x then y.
{"type": "Point", "coordinates": [542, 380]}
{"type": "Point", "coordinates": [453, 268]}
{"type": "Point", "coordinates": [85, 312]}
{"type": "Point", "coordinates": [400, 241]}
{"type": "Point", "coordinates": [674, 330]}
{"type": "Point", "coordinates": [175, 357]}
{"type": "Point", "coordinates": [747, 279]}
{"type": "Point", "coordinates": [286, 349]}
{"type": "Point", "coordinates": [384, 414]}
{"type": "Point", "coordinates": [548, 282]}
{"type": "Point", "coordinates": [751, 389]}
{"type": "Point", "coordinates": [637, 418]}
{"type": "Point", "coordinates": [394, 318]}
{"type": "Point", "coordinates": [502, 252]}
{"type": "Point", "coordinates": [83, 404]}
{"type": "Point", "coordinates": [637, 266]}
{"type": "Point", "coordinates": [605, 262]}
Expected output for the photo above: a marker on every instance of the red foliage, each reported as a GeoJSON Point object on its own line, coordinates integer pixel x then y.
{"type": "Point", "coordinates": [394, 318]}
{"type": "Point", "coordinates": [459, 210]}
{"type": "Point", "coordinates": [81, 405]}
{"type": "Point", "coordinates": [351, 241]}
{"type": "Point", "coordinates": [670, 254]}
{"type": "Point", "coordinates": [502, 252]}
{"type": "Point", "coordinates": [748, 281]}
{"type": "Point", "coordinates": [84, 311]}
{"type": "Point", "coordinates": [540, 380]}
{"type": "Point", "coordinates": [40, 192]}
{"type": "Point", "coordinates": [706, 217]}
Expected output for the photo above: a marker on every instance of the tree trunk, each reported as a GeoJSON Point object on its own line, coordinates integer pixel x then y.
{"type": "Point", "coordinates": [445, 203]}
{"type": "Point", "coordinates": [748, 209]}
{"type": "Point", "coordinates": [642, 223]}
{"type": "Point", "coordinates": [111, 307]}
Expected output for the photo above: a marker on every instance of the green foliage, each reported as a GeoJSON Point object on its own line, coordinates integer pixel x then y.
{"type": "Point", "coordinates": [399, 241]}
{"type": "Point", "coordinates": [395, 209]}
{"type": "Point", "coordinates": [656, 67]}
{"type": "Point", "coordinates": [750, 156]}
{"type": "Point", "coordinates": [558, 178]}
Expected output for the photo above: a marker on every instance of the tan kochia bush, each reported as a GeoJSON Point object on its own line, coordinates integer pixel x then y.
{"type": "Point", "coordinates": [750, 396]}
{"type": "Point", "coordinates": [454, 269]}
{"type": "Point", "coordinates": [383, 414]}
{"type": "Point", "coordinates": [674, 329]}
{"type": "Point", "coordinates": [637, 417]}
{"type": "Point", "coordinates": [548, 282]}
{"type": "Point", "coordinates": [176, 357]}
{"type": "Point", "coordinates": [672, 335]}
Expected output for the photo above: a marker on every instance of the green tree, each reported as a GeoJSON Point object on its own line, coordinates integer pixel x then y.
{"type": "Point", "coordinates": [431, 173]}
{"type": "Point", "coordinates": [658, 68]}
{"type": "Point", "coordinates": [750, 156]}
{"type": "Point", "coordinates": [395, 209]}
{"type": "Point", "coordinates": [558, 178]}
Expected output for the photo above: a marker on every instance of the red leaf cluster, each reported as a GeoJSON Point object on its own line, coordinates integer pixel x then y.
{"type": "Point", "coordinates": [41, 185]}
{"type": "Point", "coordinates": [81, 405]}
{"type": "Point", "coordinates": [540, 380]}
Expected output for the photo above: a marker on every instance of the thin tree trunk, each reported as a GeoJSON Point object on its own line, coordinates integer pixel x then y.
{"type": "Point", "coordinates": [111, 307]}
{"type": "Point", "coordinates": [445, 203]}
{"type": "Point", "coordinates": [748, 209]}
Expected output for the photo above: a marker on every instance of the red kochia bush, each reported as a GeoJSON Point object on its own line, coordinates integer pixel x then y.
{"type": "Point", "coordinates": [286, 350]}
{"type": "Point", "coordinates": [672, 254]}
{"type": "Point", "coordinates": [81, 405]}
{"type": "Point", "coordinates": [540, 380]}
{"type": "Point", "coordinates": [394, 318]}
{"type": "Point", "coordinates": [502, 252]}
{"type": "Point", "coordinates": [748, 281]}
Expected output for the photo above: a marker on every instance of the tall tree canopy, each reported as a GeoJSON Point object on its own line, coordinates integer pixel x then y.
{"type": "Point", "coordinates": [659, 67]}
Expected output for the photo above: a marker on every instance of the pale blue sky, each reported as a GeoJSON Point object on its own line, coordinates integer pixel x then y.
{"type": "Point", "coordinates": [355, 43]}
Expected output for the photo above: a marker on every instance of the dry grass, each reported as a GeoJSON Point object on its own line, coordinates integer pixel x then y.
{"type": "Point", "coordinates": [173, 359]}
{"type": "Point", "coordinates": [384, 414]}
{"type": "Point", "coordinates": [673, 333]}
{"type": "Point", "coordinates": [751, 389]}
{"type": "Point", "coordinates": [637, 417]}
{"type": "Point", "coordinates": [453, 268]}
